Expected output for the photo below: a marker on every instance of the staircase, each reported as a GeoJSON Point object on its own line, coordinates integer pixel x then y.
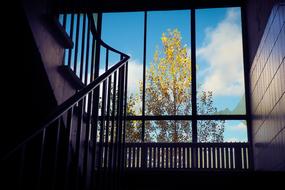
{"type": "Point", "coordinates": [66, 150]}
{"type": "Point", "coordinates": [81, 144]}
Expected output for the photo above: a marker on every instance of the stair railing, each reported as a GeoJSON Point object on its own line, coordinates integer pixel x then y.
{"type": "Point", "coordinates": [67, 151]}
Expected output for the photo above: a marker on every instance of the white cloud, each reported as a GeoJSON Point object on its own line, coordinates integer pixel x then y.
{"type": "Point", "coordinates": [135, 74]}
{"type": "Point", "coordinates": [238, 127]}
{"type": "Point", "coordinates": [222, 51]}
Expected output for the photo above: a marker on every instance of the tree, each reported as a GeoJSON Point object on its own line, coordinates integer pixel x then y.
{"type": "Point", "coordinates": [168, 92]}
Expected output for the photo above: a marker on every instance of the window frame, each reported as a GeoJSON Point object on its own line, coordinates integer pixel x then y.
{"type": "Point", "coordinates": [195, 117]}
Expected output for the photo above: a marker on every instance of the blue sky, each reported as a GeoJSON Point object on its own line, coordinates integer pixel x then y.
{"type": "Point", "coordinates": [218, 49]}
{"type": "Point", "coordinates": [217, 30]}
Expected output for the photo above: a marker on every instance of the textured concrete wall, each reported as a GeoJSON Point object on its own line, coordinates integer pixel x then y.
{"type": "Point", "coordinates": [266, 35]}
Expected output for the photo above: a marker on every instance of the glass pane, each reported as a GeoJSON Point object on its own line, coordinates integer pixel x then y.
{"type": "Point", "coordinates": [133, 131]}
{"type": "Point", "coordinates": [168, 131]}
{"type": "Point", "coordinates": [222, 131]}
{"type": "Point", "coordinates": [220, 74]}
{"type": "Point", "coordinates": [124, 32]}
{"type": "Point", "coordinates": [168, 66]}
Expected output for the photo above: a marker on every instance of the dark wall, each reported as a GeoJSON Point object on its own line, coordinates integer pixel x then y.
{"type": "Point", "coordinates": [51, 51]}
{"type": "Point", "coordinates": [266, 37]}
{"type": "Point", "coordinates": [28, 95]}
{"type": "Point", "coordinates": [33, 86]}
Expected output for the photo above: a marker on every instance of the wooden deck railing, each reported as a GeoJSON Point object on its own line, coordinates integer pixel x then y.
{"type": "Point", "coordinates": [202, 156]}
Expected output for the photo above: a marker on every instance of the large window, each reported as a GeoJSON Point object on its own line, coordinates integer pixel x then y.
{"type": "Point", "coordinates": [186, 74]}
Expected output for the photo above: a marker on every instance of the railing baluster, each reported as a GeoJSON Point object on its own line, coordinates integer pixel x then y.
{"type": "Point", "coordinates": [78, 142]}
{"type": "Point", "coordinates": [107, 152]}
{"type": "Point", "coordinates": [158, 156]}
{"type": "Point", "coordinates": [70, 50]}
{"type": "Point", "coordinates": [187, 165]}
{"type": "Point", "coordinates": [214, 158]}
{"type": "Point", "coordinates": [87, 60]}
{"type": "Point", "coordinates": [167, 156]}
{"type": "Point", "coordinates": [111, 162]}
{"type": "Point", "coordinates": [68, 146]}
{"type": "Point", "coordinates": [64, 21]}
{"type": "Point", "coordinates": [175, 157]}
{"type": "Point", "coordinates": [247, 158]}
{"type": "Point", "coordinates": [76, 43]}
{"type": "Point", "coordinates": [82, 61]}
{"type": "Point", "coordinates": [150, 157]}
{"type": "Point", "coordinates": [134, 157]}
{"type": "Point", "coordinates": [54, 176]}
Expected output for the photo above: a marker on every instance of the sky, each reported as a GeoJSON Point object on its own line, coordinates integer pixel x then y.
{"type": "Point", "coordinates": [218, 52]}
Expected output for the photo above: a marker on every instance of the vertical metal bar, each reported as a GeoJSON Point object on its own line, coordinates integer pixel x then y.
{"type": "Point", "coordinates": [87, 60]}
{"type": "Point", "coordinates": [167, 156]}
{"type": "Point", "coordinates": [121, 108]}
{"type": "Point", "coordinates": [219, 157]}
{"type": "Point", "coordinates": [134, 157]}
{"type": "Point", "coordinates": [175, 156]}
{"type": "Point", "coordinates": [41, 159]}
{"type": "Point", "coordinates": [154, 156]}
{"type": "Point", "coordinates": [193, 73]}
{"type": "Point", "coordinates": [179, 155]}
{"type": "Point", "coordinates": [214, 157]}
{"type": "Point", "coordinates": [86, 176]}
{"type": "Point", "coordinates": [116, 147]}
{"type": "Point", "coordinates": [144, 77]}
{"type": "Point", "coordinates": [162, 156]}
{"type": "Point", "coordinates": [82, 47]}
{"type": "Point", "coordinates": [68, 146]}
{"type": "Point", "coordinates": [93, 52]}
{"type": "Point", "coordinates": [64, 20]}
{"type": "Point", "coordinates": [201, 156]}
{"type": "Point", "coordinates": [190, 165]}
{"type": "Point", "coordinates": [171, 156]}
{"type": "Point", "coordinates": [184, 157]}
{"type": "Point", "coordinates": [222, 158]}
{"type": "Point", "coordinates": [112, 138]}
{"type": "Point", "coordinates": [158, 156]}
{"type": "Point", "coordinates": [111, 161]}
{"type": "Point", "coordinates": [107, 147]}
{"type": "Point", "coordinates": [95, 106]}
{"type": "Point", "coordinates": [244, 157]}
{"type": "Point", "coordinates": [226, 157]}
{"type": "Point", "coordinates": [107, 153]}
{"type": "Point", "coordinates": [76, 43]}
{"type": "Point", "coordinates": [102, 127]}
{"type": "Point", "coordinates": [146, 153]}
{"type": "Point", "coordinates": [54, 176]}
{"type": "Point", "coordinates": [231, 158]}
{"type": "Point", "coordinates": [71, 35]}
{"type": "Point", "coordinates": [246, 67]}
{"type": "Point", "coordinates": [78, 142]}
{"type": "Point", "coordinates": [129, 156]}
{"type": "Point", "coordinates": [125, 108]}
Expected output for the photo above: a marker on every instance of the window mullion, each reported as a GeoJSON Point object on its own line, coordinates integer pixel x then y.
{"type": "Point", "coordinates": [193, 73]}
{"type": "Point", "coordinates": [144, 73]}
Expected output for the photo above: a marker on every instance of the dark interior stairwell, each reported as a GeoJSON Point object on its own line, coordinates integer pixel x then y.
{"type": "Point", "coordinates": [68, 131]}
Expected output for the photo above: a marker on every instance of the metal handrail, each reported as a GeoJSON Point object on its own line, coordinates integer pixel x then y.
{"type": "Point", "coordinates": [66, 105]}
